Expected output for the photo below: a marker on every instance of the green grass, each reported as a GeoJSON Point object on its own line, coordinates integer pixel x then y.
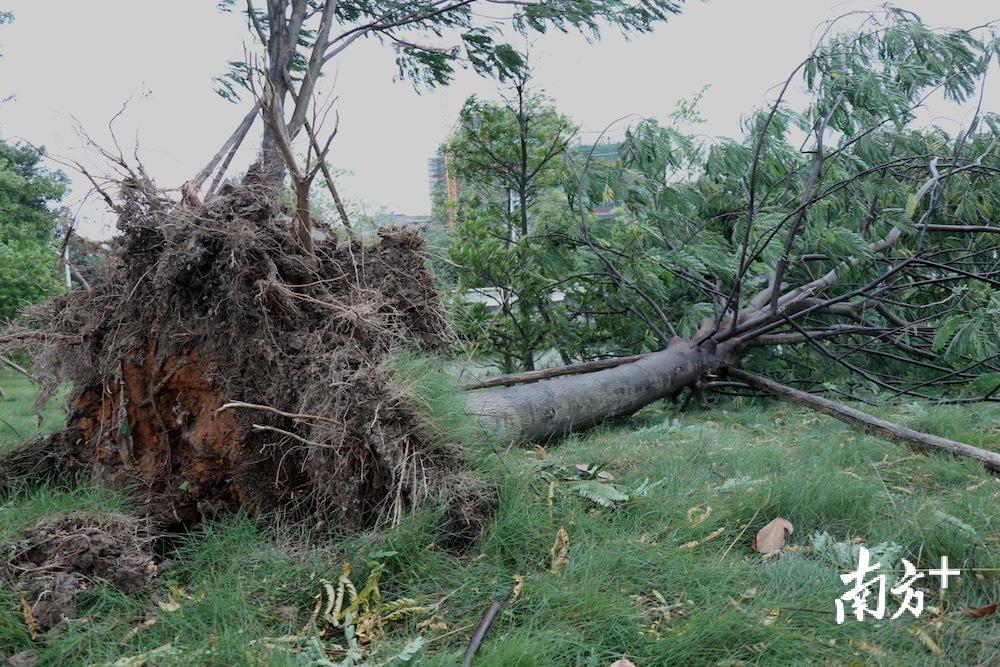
{"type": "Point", "coordinates": [17, 421]}
{"type": "Point", "coordinates": [234, 583]}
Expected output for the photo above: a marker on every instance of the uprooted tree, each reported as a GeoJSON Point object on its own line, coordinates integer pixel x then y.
{"type": "Point", "coordinates": [217, 362]}
{"type": "Point", "coordinates": [227, 355]}
{"type": "Point", "coordinates": [836, 247]}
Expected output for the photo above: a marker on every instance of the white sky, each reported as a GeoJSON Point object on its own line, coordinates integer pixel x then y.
{"type": "Point", "coordinates": [66, 59]}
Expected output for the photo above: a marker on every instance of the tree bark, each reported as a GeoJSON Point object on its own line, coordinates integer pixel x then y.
{"type": "Point", "coordinates": [549, 409]}
{"type": "Point", "coordinates": [556, 403]}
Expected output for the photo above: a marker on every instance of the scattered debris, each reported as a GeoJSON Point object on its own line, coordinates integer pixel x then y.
{"type": "Point", "coordinates": [622, 662]}
{"type": "Point", "coordinates": [658, 613]}
{"type": "Point", "coordinates": [59, 556]}
{"type": "Point", "coordinates": [844, 554]}
{"type": "Point", "coordinates": [697, 515]}
{"type": "Point", "coordinates": [711, 536]}
{"type": "Point", "coordinates": [771, 618]}
{"type": "Point", "coordinates": [928, 641]}
{"type": "Point", "coordinates": [485, 623]}
{"type": "Point", "coordinates": [23, 659]}
{"type": "Point", "coordinates": [218, 365]}
{"type": "Point", "coordinates": [560, 551]}
{"type": "Point", "coordinates": [589, 481]}
{"type": "Point", "coordinates": [981, 612]}
{"type": "Point", "coordinates": [518, 588]}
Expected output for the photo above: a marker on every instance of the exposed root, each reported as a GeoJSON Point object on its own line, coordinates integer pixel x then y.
{"type": "Point", "coordinates": [216, 366]}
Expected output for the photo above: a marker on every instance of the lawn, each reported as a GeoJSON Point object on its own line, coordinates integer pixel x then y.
{"type": "Point", "coordinates": [666, 577]}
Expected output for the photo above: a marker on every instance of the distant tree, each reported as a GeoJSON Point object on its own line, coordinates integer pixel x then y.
{"type": "Point", "coordinates": [431, 37]}
{"type": "Point", "coordinates": [28, 228]}
{"type": "Point", "coordinates": [5, 17]}
{"type": "Point", "coordinates": [509, 160]}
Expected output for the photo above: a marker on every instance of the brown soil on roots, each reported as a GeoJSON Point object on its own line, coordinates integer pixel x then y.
{"type": "Point", "coordinates": [206, 306]}
{"type": "Point", "coordinates": [58, 557]}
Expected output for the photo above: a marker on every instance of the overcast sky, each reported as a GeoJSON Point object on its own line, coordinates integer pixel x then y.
{"type": "Point", "coordinates": [67, 59]}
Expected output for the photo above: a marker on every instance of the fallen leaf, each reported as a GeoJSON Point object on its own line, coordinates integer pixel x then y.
{"type": "Point", "coordinates": [714, 534]}
{"type": "Point", "coordinates": [29, 619]}
{"type": "Point", "coordinates": [518, 588]}
{"type": "Point", "coordinates": [148, 623]}
{"type": "Point", "coordinates": [560, 551]}
{"type": "Point", "coordinates": [432, 624]}
{"type": "Point", "coordinates": [926, 640]}
{"type": "Point", "coordinates": [582, 467]}
{"type": "Point", "coordinates": [868, 647]}
{"type": "Point", "coordinates": [606, 476]}
{"type": "Point", "coordinates": [711, 536]}
{"type": "Point", "coordinates": [981, 612]}
{"type": "Point", "coordinates": [772, 537]}
{"type": "Point", "coordinates": [23, 659]}
{"type": "Point", "coordinates": [697, 514]}
{"type": "Point", "coordinates": [623, 662]}
{"type": "Point", "coordinates": [771, 617]}
{"type": "Point", "coordinates": [168, 606]}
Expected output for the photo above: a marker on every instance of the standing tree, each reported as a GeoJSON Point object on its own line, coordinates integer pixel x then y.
{"type": "Point", "coordinates": [509, 159]}
{"type": "Point", "coordinates": [303, 37]}
{"type": "Point", "coordinates": [28, 229]}
{"type": "Point", "coordinates": [870, 251]}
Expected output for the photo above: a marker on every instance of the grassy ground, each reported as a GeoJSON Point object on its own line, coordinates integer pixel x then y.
{"type": "Point", "coordinates": [17, 422]}
{"type": "Point", "coordinates": [658, 578]}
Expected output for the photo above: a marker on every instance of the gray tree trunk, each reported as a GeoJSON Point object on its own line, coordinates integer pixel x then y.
{"type": "Point", "coordinates": [552, 408]}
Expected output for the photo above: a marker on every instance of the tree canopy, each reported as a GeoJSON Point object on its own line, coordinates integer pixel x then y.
{"type": "Point", "coordinates": [28, 228]}
{"type": "Point", "coordinates": [839, 244]}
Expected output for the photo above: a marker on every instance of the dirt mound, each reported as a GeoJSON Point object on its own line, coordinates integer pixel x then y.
{"type": "Point", "coordinates": [57, 557]}
{"type": "Point", "coordinates": [216, 365]}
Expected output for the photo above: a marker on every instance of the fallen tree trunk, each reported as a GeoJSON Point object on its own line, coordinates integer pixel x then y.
{"type": "Point", "coordinates": [570, 398]}
{"type": "Point", "coordinates": [867, 422]}
{"type": "Point", "coordinates": [544, 410]}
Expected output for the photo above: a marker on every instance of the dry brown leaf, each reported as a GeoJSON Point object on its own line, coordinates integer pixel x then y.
{"type": "Point", "coordinates": [560, 551]}
{"type": "Point", "coordinates": [868, 647]}
{"type": "Point", "coordinates": [29, 619]}
{"type": "Point", "coordinates": [697, 514]}
{"type": "Point", "coordinates": [605, 476]}
{"type": "Point", "coordinates": [518, 588]}
{"type": "Point", "coordinates": [926, 640]}
{"type": "Point", "coordinates": [148, 623]}
{"type": "Point", "coordinates": [433, 623]}
{"type": "Point", "coordinates": [981, 612]}
{"type": "Point", "coordinates": [771, 617]}
{"type": "Point", "coordinates": [714, 534]}
{"type": "Point", "coordinates": [623, 662]}
{"type": "Point", "coordinates": [772, 537]}
{"type": "Point", "coordinates": [711, 536]}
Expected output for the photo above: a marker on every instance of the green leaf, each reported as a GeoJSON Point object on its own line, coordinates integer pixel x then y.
{"type": "Point", "coordinates": [946, 331]}
{"type": "Point", "coordinates": [603, 494]}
